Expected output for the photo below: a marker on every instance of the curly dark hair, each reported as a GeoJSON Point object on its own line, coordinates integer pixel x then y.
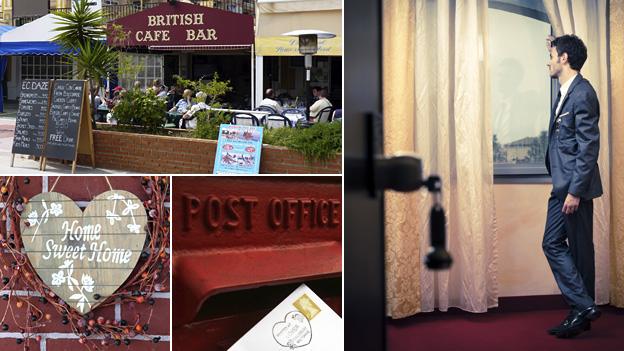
{"type": "Point", "coordinates": [574, 47]}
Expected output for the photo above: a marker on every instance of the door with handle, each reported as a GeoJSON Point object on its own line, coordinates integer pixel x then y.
{"type": "Point", "coordinates": [367, 174]}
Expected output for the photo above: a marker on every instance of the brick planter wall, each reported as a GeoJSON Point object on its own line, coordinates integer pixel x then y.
{"type": "Point", "coordinates": [144, 153]}
{"type": "Point", "coordinates": [55, 336]}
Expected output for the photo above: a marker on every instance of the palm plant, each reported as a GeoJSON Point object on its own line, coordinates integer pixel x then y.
{"type": "Point", "coordinates": [82, 34]}
{"type": "Point", "coordinates": [80, 25]}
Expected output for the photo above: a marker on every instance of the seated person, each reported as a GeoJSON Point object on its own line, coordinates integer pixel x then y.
{"type": "Point", "coordinates": [173, 96]}
{"type": "Point", "coordinates": [137, 85]}
{"type": "Point", "coordinates": [316, 91]}
{"type": "Point", "coordinates": [188, 120]}
{"type": "Point", "coordinates": [270, 101]}
{"type": "Point", "coordinates": [183, 104]}
{"type": "Point", "coordinates": [159, 89]}
{"type": "Point", "coordinates": [119, 94]}
{"type": "Point", "coordinates": [320, 104]}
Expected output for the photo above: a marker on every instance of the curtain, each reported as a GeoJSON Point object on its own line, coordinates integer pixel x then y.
{"type": "Point", "coordinates": [436, 103]}
{"type": "Point", "coordinates": [616, 35]}
{"type": "Point", "coordinates": [588, 20]}
{"type": "Point", "coordinates": [402, 241]}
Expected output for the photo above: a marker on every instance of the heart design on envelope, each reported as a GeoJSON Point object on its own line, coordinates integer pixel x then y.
{"type": "Point", "coordinates": [295, 331]}
{"type": "Point", "coordinates": [84, 257]}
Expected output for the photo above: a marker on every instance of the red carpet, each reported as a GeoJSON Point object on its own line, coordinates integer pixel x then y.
{"type": "Point", "coordinates": [519, 324]}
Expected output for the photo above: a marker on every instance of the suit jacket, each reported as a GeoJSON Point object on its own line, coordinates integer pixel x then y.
{"type": "Point", "coordinates": [573, 143]}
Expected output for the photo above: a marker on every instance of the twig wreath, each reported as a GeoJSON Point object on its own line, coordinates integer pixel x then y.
{"type": "Point", "coordinates": [93, 331]}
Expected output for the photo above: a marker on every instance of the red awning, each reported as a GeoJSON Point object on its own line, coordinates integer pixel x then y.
{"type": "Point", "coordinates": [182, 26]}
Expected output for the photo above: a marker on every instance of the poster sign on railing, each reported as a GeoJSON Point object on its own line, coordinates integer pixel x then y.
{"type": "Point", "coordinates": [238, 150]}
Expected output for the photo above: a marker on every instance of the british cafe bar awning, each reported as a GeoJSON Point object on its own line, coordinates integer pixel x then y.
{"type": "Point", "coordinates": [183, 27]}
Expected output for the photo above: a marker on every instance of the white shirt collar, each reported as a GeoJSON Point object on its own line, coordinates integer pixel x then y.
{"type": "Point", "coordinates": [565, 86]}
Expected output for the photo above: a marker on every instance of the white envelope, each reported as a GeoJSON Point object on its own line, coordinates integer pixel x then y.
{"type": "Point", "coordinates": [302, 322]}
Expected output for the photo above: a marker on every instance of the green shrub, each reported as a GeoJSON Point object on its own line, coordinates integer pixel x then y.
{"type": "Point", "coordinates": [140, 108]}
{"type": "Point", "coordinates": [214, 88]}
{"type": "Point", "coordinates": [321, 141]}
{"type": "Point", "coordinates": [208, 123]}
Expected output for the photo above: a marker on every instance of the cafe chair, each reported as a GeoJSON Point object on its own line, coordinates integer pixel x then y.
{"type": "Point", "coordinates": [324, 115]}
{"type": "Point", "coordinates": [275, 121]}
{"type": "Point", "coordinates": [337, 115]}
{"type": "Point", "coordinates": [268, 109]}
{"type": "Point", "coordinates": [245, 119]}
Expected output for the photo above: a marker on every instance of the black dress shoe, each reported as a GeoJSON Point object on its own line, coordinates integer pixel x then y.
{"type": "Point", "coordinates": [579, 322]}
{"type": "Point", "coordinates": [592, 313]}
{"type": "Point", "coordinates": [554, 330]}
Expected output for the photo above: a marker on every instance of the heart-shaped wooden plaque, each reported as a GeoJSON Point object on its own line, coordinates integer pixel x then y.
{"type": "Point", "coordinates": [84, 257]}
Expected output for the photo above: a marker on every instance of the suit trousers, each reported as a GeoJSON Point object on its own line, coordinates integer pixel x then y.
{"type": "Point", "coordinates": [572, 263]}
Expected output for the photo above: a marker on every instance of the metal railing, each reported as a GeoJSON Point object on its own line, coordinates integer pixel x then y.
{"type": "Point", "coordinates": [112, 12]}
{"type": "Point", "coordinates": [18, 21]}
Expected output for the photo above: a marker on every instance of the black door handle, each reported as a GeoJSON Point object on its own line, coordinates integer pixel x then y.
{"type": "Point", "coordinates": [404, 173]}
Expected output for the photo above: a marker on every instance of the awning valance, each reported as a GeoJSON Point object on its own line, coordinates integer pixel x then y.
{"type": "Point", "coordinates": [30, 48]}
{"type": "Point", "coordinates": [201, 47]}
{"type": "Point", "coordinates": [276, 17]}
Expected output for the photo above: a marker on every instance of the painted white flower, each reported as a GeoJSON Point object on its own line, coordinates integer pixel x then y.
{"type": "Point", "coordinates": [134, 228]}
{"type": "Point", "coordinates": [130, 207]}
{"type": "Point", "coordinates": [33, 217]}
{"type": "Point", "coordinates": [56, 209]}
{"type": "Point", "coordinates": [115, 196]}
{"type": "Point", "coordinates": [67, 264]}
{"type": "Point", "coordinates": [112, 217]}
{"type": "Point", "coordinates": [58, 279]}
{"type": "Point", "coordinates": [87, 282]}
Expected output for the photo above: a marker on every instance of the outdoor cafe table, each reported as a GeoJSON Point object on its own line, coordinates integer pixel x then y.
{"type": "Point", "coordinates": [295, 118]}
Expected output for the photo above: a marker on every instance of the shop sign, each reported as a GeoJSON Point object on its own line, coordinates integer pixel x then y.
{"type": "Point", "coordinates": [289, 46]}
{"type": "Point", "coordinates": [181, 24]}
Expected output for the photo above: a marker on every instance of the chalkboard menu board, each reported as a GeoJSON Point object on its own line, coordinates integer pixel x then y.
{"type": "Point", "coordinates": [64, 120]}
{"type": "Point", "coordinates": [31, 116]}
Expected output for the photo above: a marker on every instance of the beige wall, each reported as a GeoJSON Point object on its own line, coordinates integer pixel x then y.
{"type": "Point", "coordinates": [520, 218]}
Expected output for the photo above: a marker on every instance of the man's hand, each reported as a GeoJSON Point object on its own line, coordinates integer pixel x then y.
{"type": "Point", "coordinates": [571, 204]}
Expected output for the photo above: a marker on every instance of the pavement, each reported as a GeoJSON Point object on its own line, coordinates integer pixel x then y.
{"type": "Point", "coordinates": [27, 165]}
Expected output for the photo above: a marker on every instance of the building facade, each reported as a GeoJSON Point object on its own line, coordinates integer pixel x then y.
{"type": "Point", "coordinates": [267, 60]}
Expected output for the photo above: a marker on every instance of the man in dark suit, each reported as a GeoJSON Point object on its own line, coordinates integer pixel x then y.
{"type": "Point", "coordinates": [572, 162]}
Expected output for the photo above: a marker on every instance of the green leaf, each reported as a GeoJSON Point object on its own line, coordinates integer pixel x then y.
{"type": "Point", "coordinates": [81, 25]}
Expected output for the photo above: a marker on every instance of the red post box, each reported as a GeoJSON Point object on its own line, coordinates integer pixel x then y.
{"type": "Point", "coordinates": [242, 244]}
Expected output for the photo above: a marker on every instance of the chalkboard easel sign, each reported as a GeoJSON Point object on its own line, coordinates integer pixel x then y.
{"type": "Point", "coordinates": [68, 131]}
{"type": "Point", "coordinates": [54, 121]}
{"type": "Point", "coordinates": [29, 136]}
